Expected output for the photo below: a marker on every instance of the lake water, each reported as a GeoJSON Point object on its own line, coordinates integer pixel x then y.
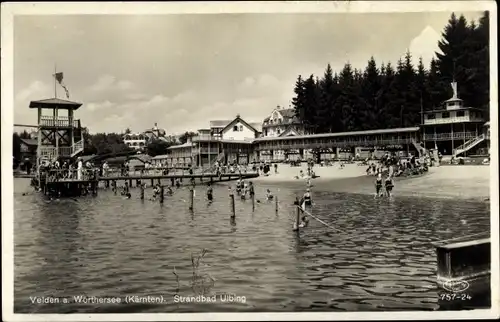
{"type": "Point", "coordinates": [105, 246]}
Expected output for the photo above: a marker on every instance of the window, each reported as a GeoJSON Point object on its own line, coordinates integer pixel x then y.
{"type": "Point", "coordinates": [241, 127]}
{"type": "Point", "coordinates": [235, 128]}
{"type": "Point", "coordinates": [460, 113]}
{"type": "Point", "coordinates": [445, 115]}
{"type": "Point", "coordinates": [431, 116]}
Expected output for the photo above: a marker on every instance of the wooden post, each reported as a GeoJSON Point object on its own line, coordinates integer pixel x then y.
{"type": "Point", "coordinates": [142, 192]}
{"type": "Point", "coordinates": [152, 183]}
{"type": "Point", "coordinates": [159, 182]}
{"type": "Point", "coordinates": [137, 182]}
{"type": "Point", "coordinates": [130, 183]}
{"type": "Point", "coordinates": [232, 207]}
{"type": "Point", "coordinates": [114, 186]}
{"type": "Point", "coordinates": [191, 199]}
{"type": "Point", "coordinates": [161, 195]}
{"type": "Point", "coordinates": [276, 204]}
{"type": "Point", "coordinates": [297, 220]}
{"type": "Point", "coordinates": [253, 202]}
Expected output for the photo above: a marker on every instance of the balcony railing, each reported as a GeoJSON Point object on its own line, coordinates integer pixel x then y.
{"type": "Point", "coordinates": [205, 137]}
{"type": "Point", "coordinates": [60, 121]}
{"type": "Point", "coordinates": [449, 136]}
{"type": "Point", "coordinates": [449, 120]}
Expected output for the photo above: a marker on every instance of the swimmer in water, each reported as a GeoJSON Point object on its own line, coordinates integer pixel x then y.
{"type": "Point", "coordinates": [269, 195]}
{"type": "Point", "coordinates": [304, 222]}
{"type": "Point", "coordinates": [389, 184]}
{"type": "Point", "coordinates": [210, 192]}
{"type": "Point", "coordinates": [239, 184]}
{"type": "Point", "coordinates": [177, 183]}
{"type": "Point", "coordinates": [128, 195]}
{"type": "Point", "coordinates": [378, 185]}
{"type": "Point", "coordinates": [169, 191]}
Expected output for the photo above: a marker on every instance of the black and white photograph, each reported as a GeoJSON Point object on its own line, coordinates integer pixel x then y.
{"type": "Point", "coordinates": [249, 160]}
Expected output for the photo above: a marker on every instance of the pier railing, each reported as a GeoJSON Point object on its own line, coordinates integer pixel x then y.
{"type": "Point", "coordinates": [59, 175]}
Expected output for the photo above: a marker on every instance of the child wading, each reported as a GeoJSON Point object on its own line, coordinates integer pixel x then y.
{"type": "Point", "coordinates": [269, 195]}
{"type": "Point", "coordinates": [389, 184]}
{"type": "Point", "coordinates": [210, 191]}
{"type": "Point", "coordinates": [378, 185]}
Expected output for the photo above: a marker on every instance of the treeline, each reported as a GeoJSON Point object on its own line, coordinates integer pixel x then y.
{"type": "Point", "coordinates": [387, 96]}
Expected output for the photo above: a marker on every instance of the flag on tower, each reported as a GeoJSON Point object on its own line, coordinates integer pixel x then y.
{"type": "Point", "coordinates": [59, 78]}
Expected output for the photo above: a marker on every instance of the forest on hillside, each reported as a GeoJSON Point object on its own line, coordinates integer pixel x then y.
{"type": "Point", "coordinates": [386, 96]}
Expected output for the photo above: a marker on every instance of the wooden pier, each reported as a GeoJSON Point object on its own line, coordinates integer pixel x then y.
{"type": "Point", "coordinates": [57, 183]}
{"type": "Point", "coordinates": [463, 272]}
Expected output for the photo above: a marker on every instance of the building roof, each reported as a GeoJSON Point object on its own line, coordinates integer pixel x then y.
{"type": "Point", "coordinates": [55, 103]}
{"type": "Point", "coordinates": [31, 142]}
{"type": "Point", "coordinates": [219, 123]}
{"type": "Point", "coordinates": [288, 113]}
{"type": "Point", "coordinates": [440, 110]}
{"type": "Point", "coordinates": [354, 133]}
{"type": "Point", "coordinates": [185, 145]}
{"type": "Point", "coordinates": [161, 156]}
{"type": "Point", "coordinates": [239, 119]}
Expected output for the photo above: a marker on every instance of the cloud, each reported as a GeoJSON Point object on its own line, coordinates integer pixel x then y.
{"type": "Point", "coordinates": [425, 45]}
{"type": "Point", "coordinates": [36, 90]}
{"type": "Point", "coordinates": [111, 83]}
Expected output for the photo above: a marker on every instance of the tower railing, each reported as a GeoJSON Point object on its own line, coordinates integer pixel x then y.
{"type": "Point", "coordinates": [59, 121]}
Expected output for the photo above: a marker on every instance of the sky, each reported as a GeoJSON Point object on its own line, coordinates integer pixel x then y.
{"type": "Point", "coordinates": [183, 70]}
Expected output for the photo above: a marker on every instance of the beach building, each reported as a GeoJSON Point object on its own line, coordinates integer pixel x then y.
{"type": "Point", "coordinates": [281, 123]}
{"type": "Point", "coordinates": [28, 150]}
{"type": "Point", "coordinates": [455, 129]}
{"type": "Point", "coordinates": [136, 141]}
{"type": "Point", "coordinates": [225, 142]}
{"type": "Point", "coordinates": [139, 141]}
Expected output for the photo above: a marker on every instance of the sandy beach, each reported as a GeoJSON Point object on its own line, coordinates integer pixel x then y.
{"type": "Point", "coordinates": [444, 181]}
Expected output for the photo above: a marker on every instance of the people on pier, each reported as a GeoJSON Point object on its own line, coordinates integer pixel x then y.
{"type": "Point", "coordinates": [389, 184]}
{"type": "Point", "coordinates": [210, 193]}
{"type": "Point", "coordinates": [80, 169]}
{"type": "Point", "coordinates": [378, 185]}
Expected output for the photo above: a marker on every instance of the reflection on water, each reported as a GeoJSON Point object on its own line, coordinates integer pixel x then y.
{"type": "Point", "coordinates": [382, 258]}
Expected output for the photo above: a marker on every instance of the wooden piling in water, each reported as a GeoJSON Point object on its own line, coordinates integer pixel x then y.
{"type": "Point", "coordinates": [232, 206]}
{"type": "Point", "coordinates": [152, 183]}
{"type": "Point", "coordinates": [191, 199]}
{"type": "Point", "coordinates": [130, 183]}
{"type": "Point", "coordinates": [161, 195]}
{"type": "Point", "coordinates": [253, 202]}
{"type": "Point", "coordinates": [142, 192]}
{"type": "Point", "coordinates": [297, 220]}
{"type": "Point", "coordinates": [276, 204]}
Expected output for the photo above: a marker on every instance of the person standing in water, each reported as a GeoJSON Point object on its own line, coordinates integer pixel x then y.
{"type": "Point", "coordinates": [269, 195]}
{"type": "Point", "coordinates": [389, 184]}
{"type": "Point", "coordinates": [307, 200]}
{"type": "Point", "coordinates": [210, 191]}
{"type": "Point", "coordinates": [378, 185]}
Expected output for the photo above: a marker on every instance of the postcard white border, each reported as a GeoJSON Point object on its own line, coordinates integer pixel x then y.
{"type": "Point", "coordinates": [7, 90]}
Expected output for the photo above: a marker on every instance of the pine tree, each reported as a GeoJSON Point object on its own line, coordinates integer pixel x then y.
{"type": "Point", "coordinates": [370, 87]}
{"type": "Point", "coordinates": [433, 87]}
{"type": "Point", "coordinates": [420, 81]}
{"type": "Point", "coordinates": [311, 100]}
{"type": "Point", "coordinates": [298, 101]}
{"type": "Point", "coordinates": [326, 112]}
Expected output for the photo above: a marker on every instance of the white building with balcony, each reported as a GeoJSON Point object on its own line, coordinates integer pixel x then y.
{"type": "Point", "coordinates": [454, 129]}
{"type": "Point", "coordinates": [136, 141]}
{"type": "Point", "coordinates": [280, 123]}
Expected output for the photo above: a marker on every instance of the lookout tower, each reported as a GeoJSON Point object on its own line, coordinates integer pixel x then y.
{"type": "Point", "coordinates": [453, 128]}
{"type": "Point", "coordinates": [59, 136]}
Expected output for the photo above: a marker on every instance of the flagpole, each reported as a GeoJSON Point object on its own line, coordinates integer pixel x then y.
{"type": "Point", "coordinates": [55, 81]}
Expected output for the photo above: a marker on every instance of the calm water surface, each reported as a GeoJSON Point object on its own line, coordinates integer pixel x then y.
{"type": "Point", "coordinates": [107, 246]}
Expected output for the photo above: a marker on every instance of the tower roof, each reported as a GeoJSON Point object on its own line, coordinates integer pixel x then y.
{"type": "Point", "coordinates": [55, 103]}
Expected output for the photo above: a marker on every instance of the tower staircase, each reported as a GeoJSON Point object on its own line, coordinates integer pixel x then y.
{"type": "Point", "coordinates": [211, 167]}
{"type": "Point", "coordinates": [469, 145]}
